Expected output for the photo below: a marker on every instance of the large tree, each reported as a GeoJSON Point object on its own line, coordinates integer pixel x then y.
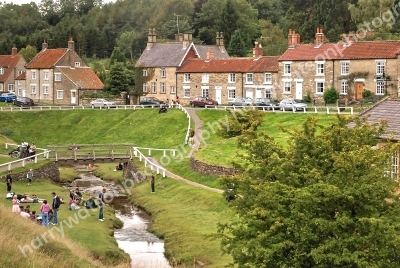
{"type": "Point", "coordinates": [325, 199]}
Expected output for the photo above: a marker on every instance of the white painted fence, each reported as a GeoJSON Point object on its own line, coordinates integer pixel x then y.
{"type": "Point", "coordinates": [77, 107]}
{"type": "Point", "coordinates": [188, 128]}
{"type": "Point", "coordinates": [23, 161]}
{"type": "Point", "coordinates": [147, 161]}
{"type": "Point", "coordinates": [313, 109]}
{"type": "Point", "coordinates": [149, 150]}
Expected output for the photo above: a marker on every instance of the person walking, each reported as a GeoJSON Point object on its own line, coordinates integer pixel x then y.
{"type": "Point", "coordinates": [191, 137]}
{"type": "Point", "coordinates": [9, 181]}
{"type": "Point", "coordinates": [29, 176]}
{"type": "Point", "coordinates": [55, 206]}
{"type": "Point", "coordinates": [152, 182]}
{"type": "Point", "coordinates": [45, 209]}
{"type": "Point", "coordinates": [102, 203]}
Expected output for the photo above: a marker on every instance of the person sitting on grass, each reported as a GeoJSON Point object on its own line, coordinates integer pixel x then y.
{"type": "Point", "coordinates": [119, 167]}
{"type": "Point", "coordinates": [24, 213]}
{"type": "Point", "coordinates": [90, 203]}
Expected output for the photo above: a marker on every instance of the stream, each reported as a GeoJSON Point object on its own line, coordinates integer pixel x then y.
{"type": "Point", "coordinates": [145, 249]}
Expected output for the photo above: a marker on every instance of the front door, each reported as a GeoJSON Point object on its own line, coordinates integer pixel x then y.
{"type": "Point", "coordinates": [299, 90]}
{"type": "Point", "coordinates": [258, 93]}
{"type": "Point", "coordinates": [218, 94]}
{"type": "Point", "coordinates": [73, 97]}
{"type": "Point", "coordinates": [249, 94]}
{"type": "Point", "coordinates": [359, 89]}
{"type": "Point", "coordinates": [24, 93]}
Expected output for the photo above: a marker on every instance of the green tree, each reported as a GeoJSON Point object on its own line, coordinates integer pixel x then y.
{"type": "Point", "coordinates": [331, 95]}
{"type": "Point", "coordinates": [322, 200]}
{"type": "Point", "coordinates": [237, 47]}
{"type": "Point", "coordinates": [272, 38]}
{"type": "Point", "coordinates": [241, 121]}
{"type": "Point", "coordinates": [125, 42]}
{"type": "Point", "coordinates": [170, 28]}
{"type": "Point", "coordinates": [118, 79]}
{"type": "Point", "coordinates": [29, 52]}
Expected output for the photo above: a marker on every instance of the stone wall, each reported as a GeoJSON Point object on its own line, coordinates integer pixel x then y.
{"type": "Point", "coordinates": [49, 171]}
{"type": "Point", "coordinates": [208, 169]}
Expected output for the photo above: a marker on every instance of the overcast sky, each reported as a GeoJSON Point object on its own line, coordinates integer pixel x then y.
{"type": "Point", "coordinates": [20, 2]}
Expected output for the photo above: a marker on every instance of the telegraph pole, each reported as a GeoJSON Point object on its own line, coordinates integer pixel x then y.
{"type": "Point", "coordinates": [177, 21]}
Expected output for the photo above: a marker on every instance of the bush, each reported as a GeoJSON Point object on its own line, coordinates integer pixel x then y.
{"type": "Point", "coordinates": [331, 95]}
{"type": "Point", "coordinates": [240, 121]}
{"type": "Point", "coordinates": [307, 98]}
{"type": "Point", "coordinates": [367, 94]}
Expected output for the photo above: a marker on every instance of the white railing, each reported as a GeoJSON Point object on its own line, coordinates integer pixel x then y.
{"type": "Point", "coordinates": [313, 109]}
{"type": "Point", "coordinates": [149, 150]}
{"type": "Point", "coordinates": [188, 116]}
{"type": "Point", "coordinates": [147, 161]}
{"type": "Point", "coordinates": [45, 153]}
{"type": "Point", "coordinates": [76, 107]}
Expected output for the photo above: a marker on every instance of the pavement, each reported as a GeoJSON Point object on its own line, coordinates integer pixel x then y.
{"type": "Point", "coordinates": [198, 124]}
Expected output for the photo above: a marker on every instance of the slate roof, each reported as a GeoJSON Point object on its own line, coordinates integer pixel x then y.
{"type": "Point", "coordinates": [82, 77]}
{"type": "Point", "coordinates": [388, 110]}
{"type": "Point", "coordinates": [230, 65]}
{"type": "Point", "coordinates": [46, 59]}
{"type": "Point", "coordinates": [8, 62]}
{"type": "Point", "coordinates": [172, 54]}
{"type": "Point", "coordinates": [355, 50]}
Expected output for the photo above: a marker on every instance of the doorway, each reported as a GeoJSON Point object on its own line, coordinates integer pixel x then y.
{"type": "Point", "coordinates": [218, 94]}
{"type": "Point", "coordinates": [359, 87]}
{"type": "Point", "coordinates": [73, 97]}
{"type": "Point", "coordinates": [299, 90]}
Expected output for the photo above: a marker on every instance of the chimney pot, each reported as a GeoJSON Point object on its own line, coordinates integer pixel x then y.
{"type": "Point", "coordinates": [44, 45]}
{"type": "Point", "coordinates": [14, 51]}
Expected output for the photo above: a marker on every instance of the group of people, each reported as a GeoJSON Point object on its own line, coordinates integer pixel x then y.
{"type": "Point", "coordinates": [28, 150]}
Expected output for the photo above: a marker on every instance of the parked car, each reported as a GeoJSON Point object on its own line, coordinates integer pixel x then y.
{"type": "Point", "coordinates": [23, 102]}
{"type": "Point", "coordinates": [264, 103]}
{"type": "Point", "coordinates": [151, 101]}
{"type": "Point", "coordinates": [241, 102]}
{"type": "Point", "coordinates": [202, 102]}
{"type": "Point", "coordinates": [291, 104]}
{"type": "Point", "coordinates": [102, 103]}
{"type": "Point", "coordinates": [8, 97]}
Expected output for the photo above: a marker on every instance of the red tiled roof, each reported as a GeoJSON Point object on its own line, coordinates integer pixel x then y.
{"type": "Point", "coordinates": [8, 62]}
{"type": "Point", "coordinates": [21, 76]}
{"type": "Point", "coordinates": [228, 65]}
{"type": "Point", "coordinates": [46, 58]}
{"type": "Point", "coordinates": [83, 77]}
{"type": "Point", "coordinates": [355, 50]}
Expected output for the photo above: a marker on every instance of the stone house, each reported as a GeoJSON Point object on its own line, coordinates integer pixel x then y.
{"type": "Point", "coordinates": [229, 78]}
{"type": "Point", "coordinates": [350, 67]}
{"type": "Point", "coordinates": [159, 62]}
{"type": "Point", "coordinates": [11, 66]}
{"type": "Point", "coordinates": [59, 76]}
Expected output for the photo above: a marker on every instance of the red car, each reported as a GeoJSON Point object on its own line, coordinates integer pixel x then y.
{"type": "Point", "coordinates": [202, 102]}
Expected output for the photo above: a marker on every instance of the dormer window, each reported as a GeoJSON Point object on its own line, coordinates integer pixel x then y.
{"type": "Point", "coordinates": [380, 67]}
{"type": "Point", "coordinates": [144, 72]}
{"type": "Point", "coordinates": [77, 64]}
{"type": "Point", "coordinates": [1, 70]}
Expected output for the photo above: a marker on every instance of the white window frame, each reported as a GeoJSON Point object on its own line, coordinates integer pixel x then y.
{"type": "Point", "coordinates": [320, 68]}
{"type": "Point", "coordinates": [163, 72]}
{"type": "Point", "coordinates": [33, 76]}
{"type": "Point", "coordinates": [46, 75]}
{"type": "Point", "coordinates": [33, 89]}
{"type": "Point", "coordinates": [45, 89]}
{"type": "Point", "coordinates": [172, 89]}
{"type": "Point", "coordinates": [186, 92]}
{"type": "Point", "coordinates": [145, 89]}
{"type": "Point", "coordinates": [186, 78]}
{"type": "Point", "coordinates": [1, 87]}
{"type": "Point", "coordinates": [60, 94]}
{"type": "Point", "coordinates": [268, 93]}
{"type": "Point", "coordinates": [18, 82]}
{"type": "Point", "coordinates": [57, 77]}
{"type": "Point", "coordinates": [249, 78]}
{"type": "Point", "coordinates": [287, 87]}
{"type": "Point", "coordinates": [232, 78]}
{"type": "Point", "coordinates": [153, 87]}
{"type": "Point", "coordinates": [19, 91]}
{"type": "Point", "coordinates": [77, 64]}
{"type": "Point", "coordinates": [380, 87]}
{"type": "Point", "coordinates": [205, 78]}
{"type": "Point", "coordinates": [163, 87]}
{"type": "Point", "coordinates": [380, 67]}
{"type": "Point", "coordinates": [205, 92]}
{"type": "Point", "coordinates": [287, 68]}
{"type": "Point", "coordinates": [268, 78]}
{"type": "Point", "coordinates": [394, 165]}
{"type": "Point", "coordinates": [144, 72]}
{"type": "Point", "coordinates": [231, 93]}
{"type": "Point", "coordinates": [344, 87]}
{"type": "Point", "coordinates": [1, 70]}
{"type": "Point", "coordinates": [11, 87]}
{"type": "Point", "coordinates": [318, 89]}
{"type": "Point", "coordinates": [344, 67]}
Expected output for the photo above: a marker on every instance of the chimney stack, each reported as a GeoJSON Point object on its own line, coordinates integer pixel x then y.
{"type": "Point", "coordinates": [220, 41]}
{"type": "Point", "coordinates": [210, 53]}
{"type": "Point", "coordinates": [71, 44]}
{"type": "Point", "coordinates": [151, 38]}
{"type": "Point", "coordinates": [319, 36]}
{"type": "Point", "coordinates": [14, 51]}
{"type": "Point", "coordinates": [293, 38]}
{"type": "Point", "coordinates": [179, 37]}
{"type": "Point", "coordinates": [257, 50]}
{"type": "Point", "coordinates": [44, 45]}
{"type": "Point", "coordinates": [187, 38]}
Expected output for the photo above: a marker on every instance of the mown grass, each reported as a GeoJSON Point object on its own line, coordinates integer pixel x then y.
{"type": "Point", "coordinates": [185, 217]}
{"type": "Point", "coordinates": [218, 151]}
{"type": "Point", "coordinates": [91, 237]}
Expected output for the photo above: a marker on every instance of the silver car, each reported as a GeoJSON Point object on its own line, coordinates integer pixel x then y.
{"type": "Point", "coordinates": [241, 102]}
{"type": "Point", "coordinates": [102, 103]}
{"type": "Point", "coordinates": [291, 104]}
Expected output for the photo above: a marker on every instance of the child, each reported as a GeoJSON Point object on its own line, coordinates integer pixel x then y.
{"type": "Point", "coordinates": [15, 207]}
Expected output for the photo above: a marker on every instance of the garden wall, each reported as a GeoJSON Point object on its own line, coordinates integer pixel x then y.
{"type": "Point", "coordinates": [208, 169]}
{"type": "Point", "coordinates": [49, 171]}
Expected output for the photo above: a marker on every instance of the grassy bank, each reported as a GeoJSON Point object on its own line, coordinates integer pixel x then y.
{"type": "Point", "coordinates": [217, 151]}
{"type": "Point", "coordinates": [82, 227]}
{"type": "Point", "coordinates": [184, 216]}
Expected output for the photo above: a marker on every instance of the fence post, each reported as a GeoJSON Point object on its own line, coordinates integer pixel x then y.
{"type": "Point", "coordinates": [9, 166]}
{"type": "Point", "coordinates": [163, 173]}
{"type": "Point", "coordinates": [327, 110]}
{"type": "Point", "coordinates": [6, 145]}
{"type": "Point", "coordinates": [351, 110]}
{"type": "Point", "coordinates": [149, 152]}
{"type": "Point", "coordinates": [173, 152]}
{"type": "Point", "coordinates": [35, 159]}
{"type": "Point", "coordinates": [23, 162]}
{"type": "Point", "coordinates": [164, 153]}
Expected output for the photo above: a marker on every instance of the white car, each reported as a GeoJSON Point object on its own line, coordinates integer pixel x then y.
{"type": "Point", "coordinates": [291, 104]}
{"type": "Point", "coordinates": [102, 103]}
